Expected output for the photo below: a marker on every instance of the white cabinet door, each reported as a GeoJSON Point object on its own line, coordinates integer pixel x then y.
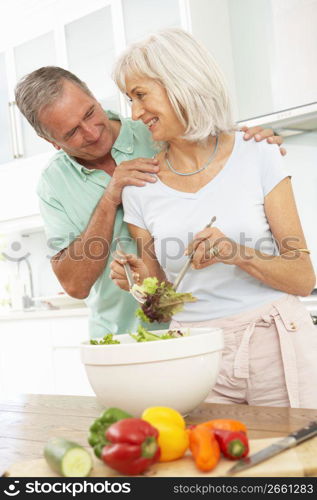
{"type": "Point", "coordinates": [145, 16]}
{"type": "Point", "coordinates": [42, 356]}
{"type": "Point", "coordinates": [18, 198]}
{"type": "Point", "coordinates": [6, 153]}
{"type": "Point", "coordinates": [25, 357]}
{"type": "Point", "coordinates": [29, 56]}
{"type": "Point", "coordinates": [69, 372]}
{"type": "Point", "coordinates": [90, 53]}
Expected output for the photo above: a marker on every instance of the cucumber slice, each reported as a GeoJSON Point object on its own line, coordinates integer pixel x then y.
{"type": "Point", "coordinates": [67, 458]}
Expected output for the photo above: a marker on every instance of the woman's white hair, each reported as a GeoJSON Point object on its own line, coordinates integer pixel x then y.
{"type": "Point", "coordinates": [193, 81]}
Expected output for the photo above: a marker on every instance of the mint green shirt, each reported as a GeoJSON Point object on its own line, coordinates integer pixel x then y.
{"type": "Point", "coordinates": [69, 193]}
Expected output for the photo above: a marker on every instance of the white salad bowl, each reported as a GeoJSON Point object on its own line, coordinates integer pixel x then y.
{"type": "Point", "coordinates": [178, 373]}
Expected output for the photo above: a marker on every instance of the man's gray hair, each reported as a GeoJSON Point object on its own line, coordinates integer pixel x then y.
{"type": "Point", "coordinates": [193, 81]}
{"type": "Point", "coordinates": [40, 89]}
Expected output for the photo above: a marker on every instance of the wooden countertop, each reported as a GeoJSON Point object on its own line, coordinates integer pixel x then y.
{"type": "Point", "coordinates": [28, 421]}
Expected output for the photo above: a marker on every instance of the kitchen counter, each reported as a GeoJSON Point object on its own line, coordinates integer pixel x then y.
{"type": "Point", "coordinates": [310, 303]}
{"type": "Point", "coordinates": [28, 421]}
{"type": "Point", "coordinates": [6, 315]}
{"type": "Point", "coordinates": [43, 313]}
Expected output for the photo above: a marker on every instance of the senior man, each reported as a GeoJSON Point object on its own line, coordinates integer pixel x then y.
{"type": "Point", "coordinates": [99, 153]}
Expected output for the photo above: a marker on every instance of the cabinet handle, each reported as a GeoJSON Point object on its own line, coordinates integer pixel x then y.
{"type": "Point", "coordinates": [20, 150]}
{"type": "Point", "coordinates": [16, 141]}
{"type": "Point", "coordinates": [13, 131]}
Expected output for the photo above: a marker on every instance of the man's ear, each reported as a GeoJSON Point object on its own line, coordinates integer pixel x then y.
{"type": "Point", "coordinates": [55, 145]}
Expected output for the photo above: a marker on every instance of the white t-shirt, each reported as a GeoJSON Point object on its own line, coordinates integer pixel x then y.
{"type": "Point", "coordinates": [236, 197]}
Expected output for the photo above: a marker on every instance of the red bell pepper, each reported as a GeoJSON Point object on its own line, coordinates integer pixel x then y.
{"type": "Point", "coordinates": [133, 446]}
{"type": "Point", "coordinates": [233, 444]}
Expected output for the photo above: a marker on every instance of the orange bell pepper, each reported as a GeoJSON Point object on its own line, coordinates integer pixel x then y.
{"type": "Point", "coordinates": [225, 424]}
{"type": "Point", "coordinates": [204, 447]}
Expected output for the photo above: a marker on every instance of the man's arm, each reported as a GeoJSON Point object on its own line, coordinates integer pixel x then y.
{"type": "Point", "coordinates": [78, 266]}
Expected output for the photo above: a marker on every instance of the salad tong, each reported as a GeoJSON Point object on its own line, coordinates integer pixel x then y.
{"type": "Point", "coordinates": [186, 266]}
{"type": "Point", "coordinates": [138, 294]}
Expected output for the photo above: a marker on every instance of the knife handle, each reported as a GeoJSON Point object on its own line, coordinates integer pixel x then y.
{"type": "Point", "coordinates": [305, 433]}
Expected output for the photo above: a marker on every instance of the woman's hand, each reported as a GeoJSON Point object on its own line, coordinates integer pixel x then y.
{"type": "Point", "coordinates": [138, 268]}
{"type": "Point", "coordinates": [260, 133]}
{"type": "Point", "coordinates": [212, 246]}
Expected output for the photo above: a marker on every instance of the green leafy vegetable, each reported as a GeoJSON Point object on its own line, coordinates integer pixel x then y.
{"type": "Point", "coordinates": [150, 285]}
{"type": "Point", "coordinates": [162, 301]}
{"type": "Point", "coordinates": [107, 339]}
{"type": "Point", "coordinates": [144, 335]}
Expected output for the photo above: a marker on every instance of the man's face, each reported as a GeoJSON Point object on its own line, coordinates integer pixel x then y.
{"type": "Point", "coordinates": [78, 125]}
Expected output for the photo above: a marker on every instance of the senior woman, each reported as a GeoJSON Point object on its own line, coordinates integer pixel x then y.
{"type": "Point", "coordinates": [249, 268]}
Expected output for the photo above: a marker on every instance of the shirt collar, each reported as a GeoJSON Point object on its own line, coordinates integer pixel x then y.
{"type": "Point", "coordinates": [124, 142]}
{"type": "Point", "coordinates": [83, 171]}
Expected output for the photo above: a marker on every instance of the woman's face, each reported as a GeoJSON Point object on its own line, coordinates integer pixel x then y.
{"type": "Point", "coordinates": [151, 105]}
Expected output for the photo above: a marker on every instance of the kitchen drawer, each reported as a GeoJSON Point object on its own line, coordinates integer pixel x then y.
{"type": "Point", "coordinates": [25, 358]}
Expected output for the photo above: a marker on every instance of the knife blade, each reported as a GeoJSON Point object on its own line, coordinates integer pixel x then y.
{"type": "Point", "coordinates": [283, 444]}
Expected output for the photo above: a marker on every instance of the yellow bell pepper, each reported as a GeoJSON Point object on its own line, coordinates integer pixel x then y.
{"type": "Point", "coordinates": [173, 438]}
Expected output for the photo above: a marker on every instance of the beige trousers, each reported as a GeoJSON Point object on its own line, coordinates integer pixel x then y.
{"type": "Point", "coordinates": [269, 358]}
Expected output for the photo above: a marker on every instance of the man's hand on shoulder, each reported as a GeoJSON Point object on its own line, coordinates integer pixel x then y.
{"type": "Point", "coordinates": [135, 172]}
{"type": "Point", "coordinates": [259, 134]}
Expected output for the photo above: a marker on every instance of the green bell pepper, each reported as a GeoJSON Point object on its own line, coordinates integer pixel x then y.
{"type": "Point", "coordinates": [97, 430]}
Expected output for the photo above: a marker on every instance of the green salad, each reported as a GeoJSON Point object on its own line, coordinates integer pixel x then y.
{"type": "Point", "coordinates": [107, 339]}
{"type": "Point", "coordinates": [142, 335]}
{"type": "Point", "coordinates": [161, 300]}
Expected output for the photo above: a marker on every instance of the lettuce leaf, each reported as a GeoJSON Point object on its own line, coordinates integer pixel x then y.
{"type": "Point", "coordinates": [144, 335]}
{"type": "Point", "coordinates": [106, 340]}
{"type": "Point", "coordinates": [161, 302]}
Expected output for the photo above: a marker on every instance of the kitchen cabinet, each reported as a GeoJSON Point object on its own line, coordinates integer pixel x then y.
{"type": "Point", "coordinates": [68, 370]}
{"type": "Point", "coordinates": [42, 356]}
{"type": "Point", "coordinates": [92, 56]}
{"type": "Point", "coordinates": [40, 40]}
{"type": "Point", "coordinates": [81, 36]}
{"type": "Point", "coordinates": [18, 198]}
{"type": "Point", "coordinates": [276, 43]}
{"type": "Point", "coordinates": [28, 56]}
{"type": "Point", "coordinates": [25, 358]}
{"type": "Point", "coordinates": [145, 16]}
{"type": "Point", "coordinates": [5, 124]}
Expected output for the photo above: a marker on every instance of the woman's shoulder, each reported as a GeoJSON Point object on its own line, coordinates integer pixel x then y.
{"type": "Point", "coordinates": [140, 192]}
{"type": "Point", "coordinates": [262, 148]}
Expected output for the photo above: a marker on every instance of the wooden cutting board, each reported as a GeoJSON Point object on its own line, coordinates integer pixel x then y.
{"type": "Point", "coordinates": [296, 462]}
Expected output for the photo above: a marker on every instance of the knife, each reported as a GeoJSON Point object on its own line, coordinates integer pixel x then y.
{"type": "Point", "coordinates": [288, 442]}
